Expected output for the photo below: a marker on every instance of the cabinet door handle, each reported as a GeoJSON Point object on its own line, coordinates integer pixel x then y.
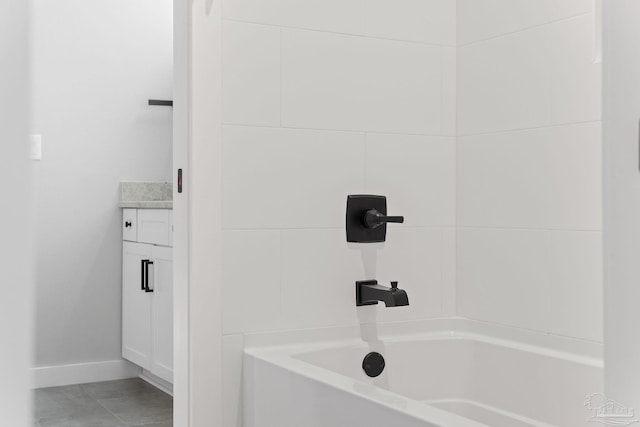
{"type": "Point", "coordinates": [127, 224]}
{"type": "Point", "coordinates": [142, 270]}
{"type": "Point", "coordinates": [146, 276]}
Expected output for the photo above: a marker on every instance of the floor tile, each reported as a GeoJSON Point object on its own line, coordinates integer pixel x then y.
{"type": "Point", "coordinates": [95, 416]}
{"type": "Point", "coordinates": [119, 388]}
{"type": "Point", "coordinates": [140, 409]}
{"type": "Point", "coordinates": [52, 403]}
{"type": "Point", "coordinates": [122, 403]}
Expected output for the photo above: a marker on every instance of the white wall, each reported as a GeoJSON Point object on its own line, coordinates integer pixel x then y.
{"type": "Point", "coordinates": [95, 64]}
{"type": "Point", "coordinates": [16, 258]}
{"type": "Point", "coordinates": [622, 201]}
{"type": "Point", "coordinates": [529, 166]}
{"type": "Point", "coordinates": [322, 99]}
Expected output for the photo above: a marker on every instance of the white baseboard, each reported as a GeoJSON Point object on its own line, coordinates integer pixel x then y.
{"type": "Point", "coordinates": [157, 382]}
{"type": "Point", "coordinates": [80, 373]}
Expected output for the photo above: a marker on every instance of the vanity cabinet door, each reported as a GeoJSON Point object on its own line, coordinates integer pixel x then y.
{"type": "Point", "coordinates": [136, 305]}
{"type": "Point", "coordinates": [162, 313]}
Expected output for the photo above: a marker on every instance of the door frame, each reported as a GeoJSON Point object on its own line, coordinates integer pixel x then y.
{"type": "Point", "coordinates": [197, 136]}
{"type": "Point", "coordinates": [181, 151]}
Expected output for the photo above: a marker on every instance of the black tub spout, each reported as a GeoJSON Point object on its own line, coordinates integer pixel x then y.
{"type": "Point", "coordinates": [369, 292]}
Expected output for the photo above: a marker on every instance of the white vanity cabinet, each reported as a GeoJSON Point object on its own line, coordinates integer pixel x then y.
{"type": "Point", "coordinates": [147, 290]}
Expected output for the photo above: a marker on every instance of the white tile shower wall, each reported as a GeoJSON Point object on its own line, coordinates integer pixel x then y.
{"type": "Point", "coordinates": [537, 77]}
{"type": "Point", "coordinates": [339, 16]}
{"type": "Point", "coordinates": [535, 279]}
{"type": "Point", "coordinates": [540, 178]}
{"type": "Point", "coordinates": [529, 166]}
{"type": "Point", "coordinates": [427, 21]}
{"type": "Point", "coordinates": [504, 83]}
{"type": "Point", "coordinates": [251, 278]}
{"type": "Point", "coordinates": [251, 65]}
{"type": "Point", "coordinates": [323, 99]}
{"type": "Point", "coordinates": [484, 19]}
{"type": "Point", "coordinates": [502, 277]}
{"type": "Point", "coordinates": [575, 275]}
{"type": "Point", "coordinates": [335, 81]}
{"type": "Point", "coordinates": [416, 174]}
{"type": "Point", "coordinates": [289, 178]}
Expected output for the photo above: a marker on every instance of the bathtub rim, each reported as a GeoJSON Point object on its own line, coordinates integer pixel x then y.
{"type": "Point", "coordinates": [445, 326]}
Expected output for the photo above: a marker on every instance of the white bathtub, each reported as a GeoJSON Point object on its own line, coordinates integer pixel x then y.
{"type": "Point", "coordinates": [440, 373]}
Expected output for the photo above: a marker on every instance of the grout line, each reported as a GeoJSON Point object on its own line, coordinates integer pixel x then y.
{"type": "Point", "coordinates": [443, 281]}
{"type": "Point", "coordinates": [551, 126]}
{"type": "Point", "coordinates": [521, 30]}
{"type": "Point", "coordinates": [558, 230]}
{"type": "Point", "coordinates": [111, 412]}
{"type": "Point", "coordinates": [364, 161]}
{"type": "Point", "coordinates": [442, 112]}
{"type": "Point", "coordinates": [281, 317]}
{"type": "Point", "coordinates": [364, 36]}
{"type": "Point", "coordinates": [356, 131]}
{"type": "Point", "coordinates": [281, 76]}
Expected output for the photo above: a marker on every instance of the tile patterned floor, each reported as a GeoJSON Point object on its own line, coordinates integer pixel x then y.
{"type": "Point", "coordinates": [122, 403]}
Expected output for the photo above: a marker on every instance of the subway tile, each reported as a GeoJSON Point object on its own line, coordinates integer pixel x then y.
{"type": "Point", "coordinates": [232, 356]}
{"type": "Point", "coordinates": [332, 81]}
{"type": "Point", "coordinates": [342, 16]}
{"type": "Point", "coordinates": [416, 173]}
{"type": "Point", "coordinates": [413, 257]}
{"type": "Point", "coordinates": [427, 21]}
{"type": "Point", "coordinates": [541, 178]}
{"type": "Point", "coordinates": [319, 271]}
{"type": "Point", "coordinates": [576, 284]}
{"type": "Point", "coordinates": [576, 80]}
{"type": "Point", "coordinates": [504, 83]}
{"type": "Point", "coordinates": [251, 278]}
{"type": "Point", "coordinates": [251, 74]}
{"type": "Point", "coordinates": [503, 277]}
{"type": "Point", "coordinates": [289, 178]}
{"type": "Point", "coordinates": [483, 19]}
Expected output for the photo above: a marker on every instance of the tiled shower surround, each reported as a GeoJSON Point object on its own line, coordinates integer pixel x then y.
{"type": "Point", "coordinates": [479, 120]}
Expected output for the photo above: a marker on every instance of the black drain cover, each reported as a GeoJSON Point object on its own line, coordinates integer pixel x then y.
{"type": "Point", "coordinates": [373, 364]}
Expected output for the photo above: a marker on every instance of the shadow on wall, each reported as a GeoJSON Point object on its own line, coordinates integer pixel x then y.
{"type": "Point", "coordinates": [367, 316]}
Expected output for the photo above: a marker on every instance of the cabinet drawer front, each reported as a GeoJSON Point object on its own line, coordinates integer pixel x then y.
{"type": "Point", "coordinates": [154, 226]}
{"type": "Point", "coordinates": [130, 225]}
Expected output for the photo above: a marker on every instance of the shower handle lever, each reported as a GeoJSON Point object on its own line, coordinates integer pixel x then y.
{"type": "Point", "coordinates": [374, 219]}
